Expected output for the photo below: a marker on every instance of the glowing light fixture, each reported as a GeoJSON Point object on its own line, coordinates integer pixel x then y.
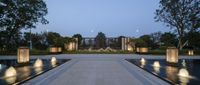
{"type": "Point", "coordinates": [53, 50]}
{"type": "Point", "coordinates": [53, 61]}
{"type": "Point", "coordinates": [10, 72]}
{"type": "Point", "coordinates": [183, 73]}
{"type": "Point", "coordinates": [23, 55]}
{"type": "Point", "coordinates": [172, 55]}
{"type": "Point", "coordinates": [156, 64]}
{"type": "Point", "coordinates": [190, 52]}
{"type": "Point", "coordinates": [38, 63]}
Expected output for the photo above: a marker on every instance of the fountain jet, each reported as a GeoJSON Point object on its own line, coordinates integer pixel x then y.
{"type": "Point", "coordinates": [156, 64]}
{"type": "Point", "coordinates": [53, 61]}
{"type": "Point", "coordinates": [38, 63]}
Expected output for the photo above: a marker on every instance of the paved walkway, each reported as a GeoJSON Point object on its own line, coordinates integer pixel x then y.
{"type": "Point", "coordinates": [96, 70]}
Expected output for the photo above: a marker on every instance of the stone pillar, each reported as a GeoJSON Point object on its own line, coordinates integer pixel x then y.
{"type": "Point", "coordinates": [76, 44]}
{"type": "Point", "coordinates": [123, 43]}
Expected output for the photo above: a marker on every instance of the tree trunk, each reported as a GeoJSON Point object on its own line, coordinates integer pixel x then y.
{"type": "Point", "coordinates": [180, 43]}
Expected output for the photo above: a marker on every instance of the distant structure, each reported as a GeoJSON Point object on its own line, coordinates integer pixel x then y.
{"type": "Point", "coordinates": [90, 43]}
{"type": "Point", "coordinates": [72, 46]}
{"type": "Point", "coordinates": [125, 45]}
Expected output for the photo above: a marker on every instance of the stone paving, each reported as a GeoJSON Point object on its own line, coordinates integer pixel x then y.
{"type": "Point", "coordinates": [97, 69]}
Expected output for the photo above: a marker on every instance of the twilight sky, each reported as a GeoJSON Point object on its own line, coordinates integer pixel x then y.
{"type": "Point", "coordinates": [131, 18]}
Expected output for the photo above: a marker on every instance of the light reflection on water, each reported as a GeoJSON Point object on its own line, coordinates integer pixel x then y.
{"type": "Point", "coordinates": [189, 76]}
{"type": "Point", "coordinates": [171, 72]}
{"type": "Point", "coordinates": [11, 80]}
{"type": "Point", "coordinates": [24, 71]}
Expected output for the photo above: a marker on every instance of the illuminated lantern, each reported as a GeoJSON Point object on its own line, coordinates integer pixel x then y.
{"type": "Point", "coordinates": [23, 55]}
{"type": "Point", "coordinates": [143, 50]}
{"type": "Point", "coordinates": [190, 52]}
{"type": "Point", "coordinates": [53, 49]}
{"type": "Point", "coordinates": [172, 55]}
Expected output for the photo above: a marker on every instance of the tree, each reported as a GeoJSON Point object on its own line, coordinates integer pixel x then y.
{"type": "Point", "coordinates": [140, 42]}
{"type": "Point", "coordinates": [20, 14]}
{"type": "Point", "coordinates": [180, 15]}
{"type": "Point", "coordinates": [155, 37]}
{"type": "Point", "coordinates": [100, 40]}
{"type": "Point", "coordinates": [193, 39]}
{"type": "Point", "coordinates": [53, 38]}
{"type": "Point", "coordinates": [168, 39]}
{"type": "Point", "coordinates": [147, 40]}
{"type": "Point", "coordinates": [79, 36]}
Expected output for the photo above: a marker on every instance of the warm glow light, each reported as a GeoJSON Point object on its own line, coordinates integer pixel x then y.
{"type": "Point", "coordinates": [142, 61]}
{"type": "Point", "coordinates": [137, 49]}
{"type": "Point", "coordinates": [10, 72]}
{"type": "Point", "coordinates": [190, 52]}
{"type": "Point", "coordinates": [143, 50]}
{"type": "Point", "coordinates": [59, 49]}
{"type": "Point", "coordinates": [130, 48]}
{"type": "Point", "coordinates": [38, 63]}
{"type": "Point", "coordinates": [23, 55]}
{"type": "Point", "coordinates": [156, 69]}
{"type": "Point", "coordinates": [172, 55]}
{"type": "Point", "coordinates": [170, 71]}
{"type": "Point", "coordinates": [183, 73]}
{"type": "Point", "coordinates": [38, 70]}
{"type": "Point", "coordinates": [11, 80]}
{"type": "Point", "coordinates": [53, 61]}
{"type": "Point", "coordinates": [156, 64]}
{"type": "Point", "coordinates": [184, 76]}
{"type": "Point", "coordinates": [53, 49]}
{"type": "Point", "coordinates": [24, 70]}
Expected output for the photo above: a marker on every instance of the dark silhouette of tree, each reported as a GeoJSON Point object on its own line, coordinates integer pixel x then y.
{"type": "Point", "coordinates": [168, 39]}
{"type": "Point", "coordinates": [20, 14]}
{"type": "Point", "coordinates": [193, 38]}
{"type": "Point", "coordinates": [181, 15]}
{"type": "Point", "coordinates": [147, 40]}
{"type": "Point", "coordinates": [100, 40]}
{"type": "Point", "coordinates": [155, 37]}
{"type": "Point", "coordinates": [140, 42]}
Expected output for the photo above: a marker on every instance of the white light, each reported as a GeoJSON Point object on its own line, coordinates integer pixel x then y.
{"type": "Point", "coordinates": [156, 64]}
{"type": "Point", "coordinates": [10, 72]}
{"type": "Point", "coordinates": [183, 73]}
{"type": "Point", "coordinates": [53, 61]}
{"type": "Point", "coordinates": [38, 63]}
{"type": "Point", "coordinates": [142, 60]}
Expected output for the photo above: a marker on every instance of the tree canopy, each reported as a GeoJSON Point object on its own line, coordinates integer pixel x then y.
{"type": "Point", "coordinates": [181, 15]}
{"type": "Point", "coordinates": [16, 15]}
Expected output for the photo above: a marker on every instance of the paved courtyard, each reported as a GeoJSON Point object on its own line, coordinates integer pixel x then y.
{"type": "Point", "coordinates": [97, 69]}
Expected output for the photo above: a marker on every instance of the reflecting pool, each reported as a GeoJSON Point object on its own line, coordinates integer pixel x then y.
{"type": "Point", "coordinates": [13, 73]}
{"type": "Point", "coordinates": [186, 72]}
